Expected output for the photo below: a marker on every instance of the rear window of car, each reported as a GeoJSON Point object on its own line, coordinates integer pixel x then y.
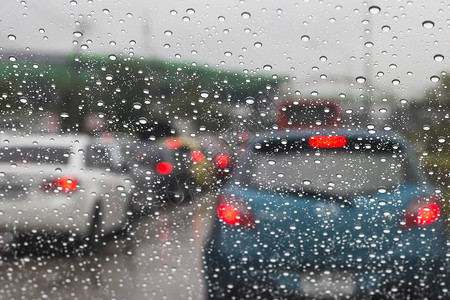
{"type": "Point", "coordinates": [358, 167]}
{"type": "Point", "coordinates": [34, 155]}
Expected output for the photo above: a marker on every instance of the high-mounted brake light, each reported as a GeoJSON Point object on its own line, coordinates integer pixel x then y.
{"type": "Point", "coordinates": [164, 168]}
{"type": "Point", "coordinates": [197, 156]}
{"type": "Point", "coordinates": [233, 211]}
{"type": "Point", "coordinates": [64, 184]}
{"type": "Point", "coordinates": [173, 144]}
{"type": "Point", "coordinates": [421, 211]}
{"type": "Point", "coordinates": [327, 141]}
{"type": "Point", "coordinates": [222, 160]}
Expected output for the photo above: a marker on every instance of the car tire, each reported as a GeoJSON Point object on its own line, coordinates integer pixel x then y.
{"type": "Point", "coordinates": [91, 241]}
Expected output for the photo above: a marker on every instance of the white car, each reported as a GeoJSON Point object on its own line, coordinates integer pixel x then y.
{"type": "Point", "coordinates": [70, 185]}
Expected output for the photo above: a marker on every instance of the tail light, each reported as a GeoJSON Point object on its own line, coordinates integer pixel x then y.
{"type": "Point", "coordinates": [164, 168]}
{"type": "Point", "coordinates": [421, 211]}
{"type": "Point", "coordinates": [327, 141]}
{"type": "Point", "coordinates": [197, 156]}
{"type": "Point", "coordinates": [233, 211]}
{"type": "Point", "coordinates": [222, 160]}
{"type": "Point", "coordinates": [173, 144]}
{"type": "Point", "coordinates": [64, 184]}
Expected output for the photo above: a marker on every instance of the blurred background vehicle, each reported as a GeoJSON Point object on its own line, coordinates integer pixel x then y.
{"type": "Point", "coordinates": [220, 155]}
{"type": "Point", "coordinates": [72, 186]}
{"type": "Point", "coordinates": [308, 113]}
{"type": "Point", "coordinates": [327, 214]}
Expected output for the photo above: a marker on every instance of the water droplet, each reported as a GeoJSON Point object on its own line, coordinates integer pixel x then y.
{"type": "Point", "coordinates": [314, 93]}
{"type": "Point", "coordinates": [23, 100]}
{"type": "Point", "coordinates": [77, 34]}
{"type": "Point", "coordinates": [267, 67]}
{"type": "Point", "coordinates": [342, 95]}
{"type": "Point", "coordinates": [137, 105]}
{"type": "Point", "coordinates": [186, 19]}
{"type": "Point", "coordinates": [428, 24]}
{"type": "Point", "coordinates": [349, 111]}
{"type": "Point", "coordinates": [383, 110]}
{"type": "Point", "coordinates": [202, 128]}
{"type": "Point", "coordinates": [257, 45]}
{"type": "Point", "coordinates": [249, 100]}
{"type": "Point", "coordinates": [112, 57]}
{"type": "Point", "coordinates": [323, 58]}
{"type": "Point", "coordinates": [132, 42]}
{"type": "Point", "coordinates": [305, 38]}
{"type": "Point", "coordinates": [120, 188]}
{"type": "Point", "coordinates": [271, 162]}
{"type": "Point", "coordinates": [258, 146]}
{"type": "Point", "coordinates": [358, 227]}
{"type": "Point", "coordinates": [395, 82]}
{"type": "Point", "coordinates": [360, 79]}
{"type": "Point", "coordinates": [168, 32]}
{"type": "Point", "coordinates": [403, 101]}
{"type": "Point", "coordinates": [221, 18]}
{"type": "Point", "coordinates": [204, 94]}
{"type": "Point", "coordinates": [382, 202]}
{"type": "Point", "coordinates": [434, 78]}
{"type": "Point", "coordinates": [368, 44]}
{"type": "Point", "coordinates": [439, 57]}
{"type": "Point", "coordinates": [374, 9]}
{"type": "Point", "coordinates": [441, 139]}
{"type": "Point", "coordinates": [143, 120]}
{"type": "Point", "coordinates": [228, 53]}
{"type": "Point", "coordinates": [280, 175]}
{"type": "Point", "coordinates": [64, 115]}
{"type": "Point", "coordinates": [306, 182]}
{"type": "Point", "coordinates": [426, 127]}
{"type": "Point", "coordinates": [100, 103]}
{"type": "Point", "coordinates": [387, 128]}
{"type": "Point", "coordinates": [109, 77]}
{"type": "Point", "coordinates": [190, 11]}
{"type": "Point", "coordinates": [11, 37]}
{"type": "Point", "coordinates": [173, 12]}
{"type": "Point", "coordinates": [41, 30]}
{"type": "Point", "coordinates": [245, 15]}
{"type": "Point", "coordinates": [106, 11]}
{"type": "Point", "coordinates": [386, 28]}
{"type": "Point", "coordinates": [12, 58]}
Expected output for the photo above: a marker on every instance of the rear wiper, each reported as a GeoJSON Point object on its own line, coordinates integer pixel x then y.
{"type": "Point", "coordinates": [314, 192]}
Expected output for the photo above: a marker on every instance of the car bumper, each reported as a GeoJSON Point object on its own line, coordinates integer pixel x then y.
{"type": "Point", "coordinates": [230, 269]}
{"type": "Point", "coordinates": [46, 215]}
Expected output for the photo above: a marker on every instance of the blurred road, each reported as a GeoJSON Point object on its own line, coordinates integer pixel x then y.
{"type": "Point", "coordinates": [160, 260]}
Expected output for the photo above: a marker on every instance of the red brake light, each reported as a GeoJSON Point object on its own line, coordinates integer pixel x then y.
{"type": "Point", "coordinates": [64, 184]}
{"type": "Point", "coordinates": [173, 143]}
{"type": "Point", "coordinates": [233, 211]}
{"type": "Point", "coordinates": [164, 168]}
{"type": "Point", "coordinates": [427, 214]}
{"type": "Point", "coordinates": [197, 156]}
{"type": "Point", "coordinates": [422, 211]}
{"type": "Point", "coordinates": [222, 160]}
{"type": "Point", "coordinates": [228, 213]}
{"type": "Point", "coordinates": [327, 141]}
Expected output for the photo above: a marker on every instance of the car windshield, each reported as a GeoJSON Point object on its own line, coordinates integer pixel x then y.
{"type": "Point", "coordinates": [161, 149]}
{"type": "Point", "coordinates": [37, 155]}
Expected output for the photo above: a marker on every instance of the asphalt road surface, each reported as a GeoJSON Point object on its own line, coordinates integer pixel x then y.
{"type": "Point", "coordinates": [161, 259]}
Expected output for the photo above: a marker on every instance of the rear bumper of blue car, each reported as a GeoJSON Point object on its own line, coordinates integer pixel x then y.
{"type": "Point", "coordinates": [240, 269]}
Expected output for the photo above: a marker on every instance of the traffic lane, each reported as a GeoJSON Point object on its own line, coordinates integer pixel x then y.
{"type": "Point", "coordinates": [160, 259]}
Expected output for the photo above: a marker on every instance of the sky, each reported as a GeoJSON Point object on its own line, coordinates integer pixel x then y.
{"type": "Point", "coordinates": [322, 46]}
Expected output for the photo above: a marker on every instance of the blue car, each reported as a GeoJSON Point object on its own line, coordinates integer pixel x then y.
{"type": "Point", "coordinates": [327, 214]}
